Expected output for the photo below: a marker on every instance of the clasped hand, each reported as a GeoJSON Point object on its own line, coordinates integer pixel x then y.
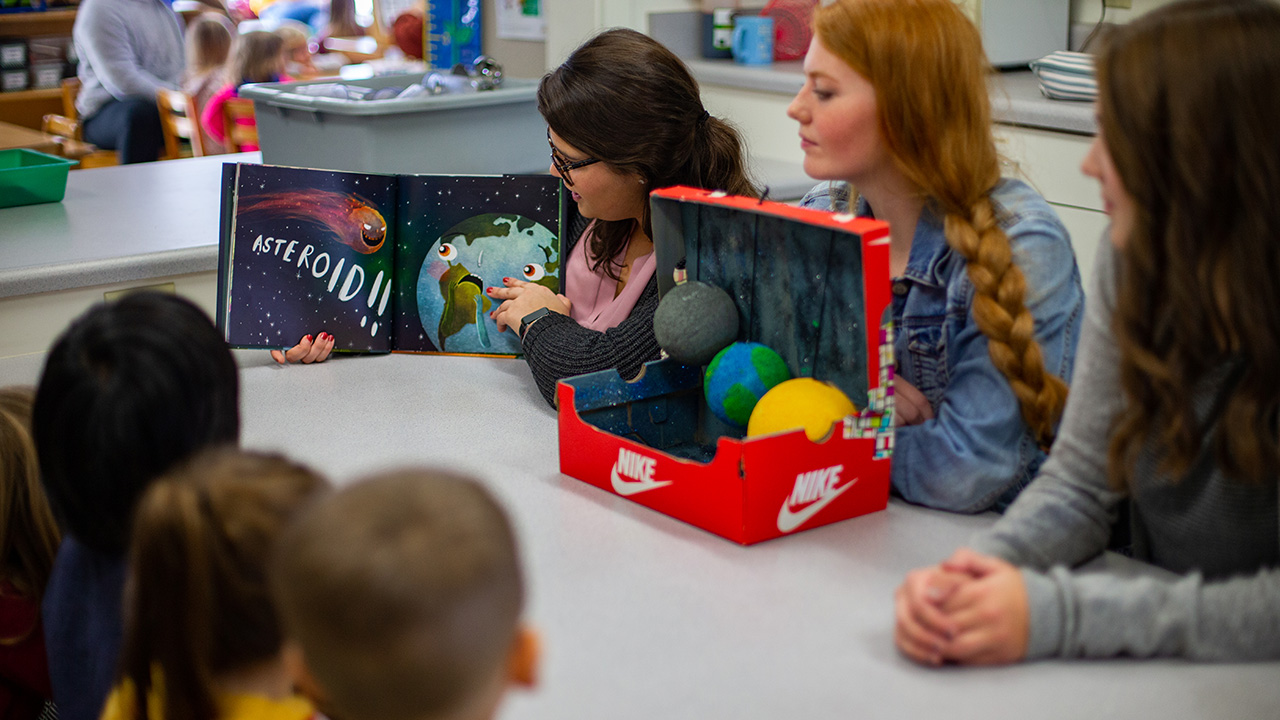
{"type": "Point", "coordinates": [519, 298]}
{"type": "Point", "coordinates": [971, 609]}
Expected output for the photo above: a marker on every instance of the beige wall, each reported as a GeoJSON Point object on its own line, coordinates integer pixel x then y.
{"type": "Point", "coordinates": [519, 58]}
{"type": "Point", "coordinates": [1087, 11]}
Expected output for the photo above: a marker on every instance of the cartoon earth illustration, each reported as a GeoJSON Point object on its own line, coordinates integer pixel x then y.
{"type": "Point", "coordinates": [471, 256]}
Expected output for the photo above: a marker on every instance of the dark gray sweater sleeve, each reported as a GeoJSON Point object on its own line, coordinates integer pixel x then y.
{"type": "Point", "coordinates": [558, 347]}
{"type": "Point", "coordinates": [1063, 518]}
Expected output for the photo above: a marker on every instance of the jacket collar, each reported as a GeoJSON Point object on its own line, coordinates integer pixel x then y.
{"type": "Point", "coordinates": [929, 248]}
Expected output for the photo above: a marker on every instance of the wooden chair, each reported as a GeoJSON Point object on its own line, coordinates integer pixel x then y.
{"type": "Point", "coordinates": [180, 123]}
{"type": "Point", "coordinates": [67, 127]}
{"type": "Point", "coordinates": [70, 89]}
{"type": "Point", "coordinates": [241, 135]}
{"type": "Point", "coordinates": [67, 134]}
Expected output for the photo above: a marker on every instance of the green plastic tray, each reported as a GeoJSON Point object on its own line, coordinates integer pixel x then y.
{"type": "Point", "coordinates": [28, 177]}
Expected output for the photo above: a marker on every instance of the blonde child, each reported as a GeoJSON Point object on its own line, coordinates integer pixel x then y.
{"type": "Point", "coordinates": [297, 50]}
{"type": "Point", "coordinates": [28, 544]}
{"type": "Point", "coordinates": [258, 57]}
{"type": "Point", "coordinates": [401, 596]}
{"type": "Point", "coordinates": [202, 641]}
{"type": "Point", "coordinates": [208, 45]}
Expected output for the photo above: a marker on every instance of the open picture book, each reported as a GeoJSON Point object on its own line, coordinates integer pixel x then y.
{"type": "Point", "coordinates": [384, 263]}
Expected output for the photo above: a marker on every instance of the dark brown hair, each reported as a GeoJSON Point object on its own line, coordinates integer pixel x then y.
{"type": "Point", "coordinates": [1188, 107]}
{"type": "Point", "coordinates": [29, 536]}
{"type": "Point", "coordinates": [196, 600]}
{"type": "Point", "coordinates": [624, 98]}
{"type": "Point", "coordinates": [404, 593]}
{"type": "Point", "coordinates": [925, 60]}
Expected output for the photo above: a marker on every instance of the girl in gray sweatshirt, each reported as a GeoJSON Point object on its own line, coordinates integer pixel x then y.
{"type": "Point", "coordinates": [1177, 389]}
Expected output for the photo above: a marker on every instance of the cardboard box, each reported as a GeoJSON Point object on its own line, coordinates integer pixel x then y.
{"type": "Point", "coordinates": [809, 284]}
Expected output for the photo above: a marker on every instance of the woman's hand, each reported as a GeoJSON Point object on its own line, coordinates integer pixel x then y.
{"type": "Point", "coordinates": [921, 629]}
{"type": "Point", "coordinates": [306, 351]}
{"type": "Point", "coordinates": [990, 612]}
{"type": "Point", "coordinates": [910, 406]}
{"type": "Point", "coordinates": [519, 298]}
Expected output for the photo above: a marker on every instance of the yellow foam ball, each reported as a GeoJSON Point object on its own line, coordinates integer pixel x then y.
{"type": "Point", "coordinates": [800, 403]}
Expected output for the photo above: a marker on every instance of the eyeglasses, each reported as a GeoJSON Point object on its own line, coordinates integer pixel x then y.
{"type": "Point", "coordinates": [562, 163]}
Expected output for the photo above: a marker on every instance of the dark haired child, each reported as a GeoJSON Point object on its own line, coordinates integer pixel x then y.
{"type": "Point", "coordinates": [129, 390]}
{"type": "Point", "coordinates": [28, 544]}
{"type": "Point", "coordinates": [401, 596]}
{"type": "Point", "coordinates": [202, 641]}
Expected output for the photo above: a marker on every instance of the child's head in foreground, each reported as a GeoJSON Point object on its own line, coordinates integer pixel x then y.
{"type": "Point", "coordinates": [198, 612]}
{"type": "Point", "coordinates": [129, 390]}
{"type": "Point", "coordinates": [401, 596]}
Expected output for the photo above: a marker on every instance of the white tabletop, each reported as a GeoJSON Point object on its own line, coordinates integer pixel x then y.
{"type": "Point", "coordinates": [646, 617]}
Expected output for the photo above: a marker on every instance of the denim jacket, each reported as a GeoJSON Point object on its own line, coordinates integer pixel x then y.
{"type": "Point", "coordinates": [976, 453]}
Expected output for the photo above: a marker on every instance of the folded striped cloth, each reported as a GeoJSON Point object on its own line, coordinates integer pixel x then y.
{"type": "Point", "coordinates": [1066, 75]}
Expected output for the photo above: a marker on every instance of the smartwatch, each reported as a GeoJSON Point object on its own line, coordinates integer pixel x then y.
{"type": "Point", "coordinates": [532, 318]}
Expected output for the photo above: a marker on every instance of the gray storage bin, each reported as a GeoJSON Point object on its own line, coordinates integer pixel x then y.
{"type": "Point", "coordinates": [490, 132]}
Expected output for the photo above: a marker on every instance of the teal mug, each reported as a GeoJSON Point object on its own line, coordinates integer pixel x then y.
{"type": "Point", "coordinates": [753, 40]}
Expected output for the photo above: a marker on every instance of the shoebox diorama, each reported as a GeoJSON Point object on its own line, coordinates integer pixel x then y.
{"type": "Point", "coordinates": [812, 286]}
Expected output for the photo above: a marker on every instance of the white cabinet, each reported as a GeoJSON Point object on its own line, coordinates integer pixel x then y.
{"type": "Point", "coordinates": [1050, 162]}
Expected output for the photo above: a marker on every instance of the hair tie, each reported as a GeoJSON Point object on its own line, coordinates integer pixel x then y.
{"type": "Point", "coordinates": [702, 119]}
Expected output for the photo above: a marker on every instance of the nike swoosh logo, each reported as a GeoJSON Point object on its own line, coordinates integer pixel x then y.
{"type": "Point", "coordinates": [788, 521]}
{"type": "Point", "coordinates": [622, 486]}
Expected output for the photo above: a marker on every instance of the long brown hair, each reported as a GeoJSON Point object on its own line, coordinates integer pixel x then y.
{"type": "Point", "coordinates": [626, 99]}
{"type": "Point", "coordinates": [29, 535]}
{"type": "Point", "coordinates": [925, 60]}
{"type": "Point", "coordinates": [1188, 106]}
{"type": "Point", "coordinates": [196, 601]}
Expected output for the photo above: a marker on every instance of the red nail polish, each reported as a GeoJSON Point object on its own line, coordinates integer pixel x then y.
{"type": "Point", "coordinates": [506, 279]}
{"type": "Point", "coordinates": [307, 338]}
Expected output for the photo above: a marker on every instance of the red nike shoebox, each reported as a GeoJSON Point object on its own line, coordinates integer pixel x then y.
{"type": "Point", "coordinates": [809, 284]}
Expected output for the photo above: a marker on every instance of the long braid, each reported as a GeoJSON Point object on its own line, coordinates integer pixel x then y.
{"type": "Point", "coordinates": [1001, 314]}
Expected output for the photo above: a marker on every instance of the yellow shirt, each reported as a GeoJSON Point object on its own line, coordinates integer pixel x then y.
{"type": "Point", "coordinates": [120, 706]}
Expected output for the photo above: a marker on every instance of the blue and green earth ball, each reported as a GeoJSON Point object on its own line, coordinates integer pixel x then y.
{"type": "Point", "coordinates": [738, 377]}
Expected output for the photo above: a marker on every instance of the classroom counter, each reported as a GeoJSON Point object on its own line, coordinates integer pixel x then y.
{"type": "Point", "coordinates": [1015, 96]}
{"type": "Point", "coordinates": [116, 224]}
{"type": "Point", "coordinates": [645, 617]}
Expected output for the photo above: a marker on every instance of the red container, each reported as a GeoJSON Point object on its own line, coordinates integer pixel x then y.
{"type": "Point", "coordinates": [809, 284]}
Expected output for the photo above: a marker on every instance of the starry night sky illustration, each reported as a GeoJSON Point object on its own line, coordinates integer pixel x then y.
{"type": "Point", "coordinates": [274, 303]}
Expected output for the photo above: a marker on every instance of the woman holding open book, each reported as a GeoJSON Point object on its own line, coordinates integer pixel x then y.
{"type": "Point", "coordinates": [624, 117]}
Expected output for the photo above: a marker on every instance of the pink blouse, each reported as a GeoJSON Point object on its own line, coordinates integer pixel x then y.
{"type": "Point", "coordinates": [596, 303]}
